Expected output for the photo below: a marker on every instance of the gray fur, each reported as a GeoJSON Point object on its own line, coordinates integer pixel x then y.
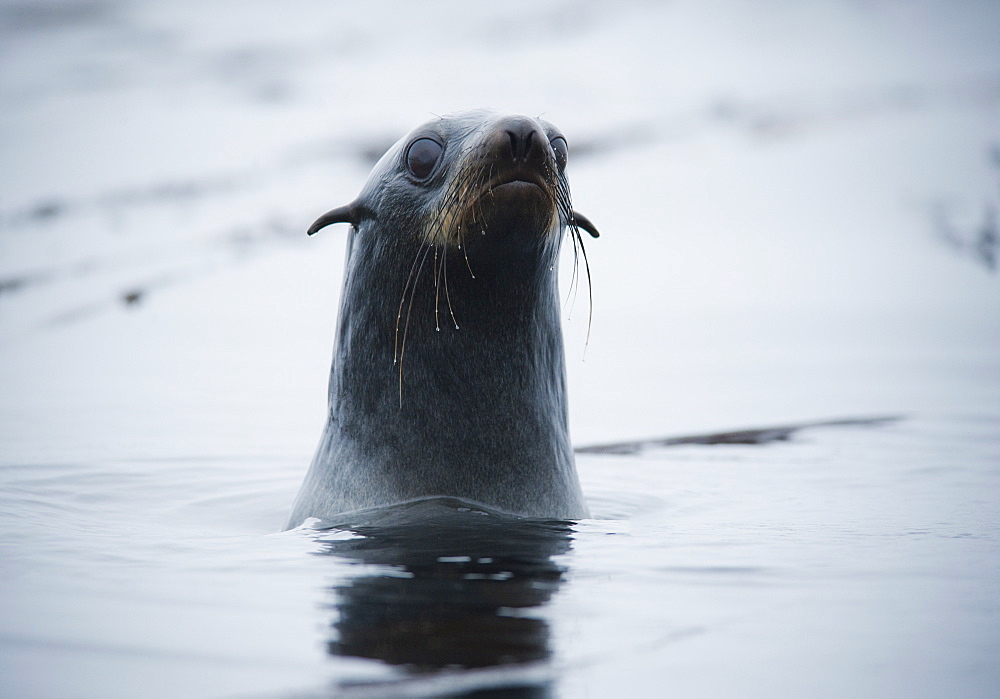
{"type": "Point", "coordinates": [478, 412]}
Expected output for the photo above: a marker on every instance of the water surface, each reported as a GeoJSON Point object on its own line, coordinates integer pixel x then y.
{"type": "Point", "coordinates": [795, 203]}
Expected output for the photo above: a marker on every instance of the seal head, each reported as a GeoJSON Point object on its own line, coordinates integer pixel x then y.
{"type": "Point", "coordinates": [448, 376]}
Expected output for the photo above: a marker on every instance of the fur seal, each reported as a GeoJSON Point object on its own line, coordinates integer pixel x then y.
{"type": "Point", "coordinates": [448, 375]}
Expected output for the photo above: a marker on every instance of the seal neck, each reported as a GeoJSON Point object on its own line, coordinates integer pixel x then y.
{"type": "Point", "coordinates": [456, 328]}
{"type": "Point", "coordinates": [478, 412]}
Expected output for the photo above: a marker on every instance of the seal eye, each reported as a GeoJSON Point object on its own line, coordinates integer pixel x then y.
{"type": "Point", "coordinates": [561, 149]}
{"type": "Point", "coordinates": [422, 156]}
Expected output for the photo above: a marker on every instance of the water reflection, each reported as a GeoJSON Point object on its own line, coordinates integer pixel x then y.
{"type": "Point", "coordinates": [459, 589]}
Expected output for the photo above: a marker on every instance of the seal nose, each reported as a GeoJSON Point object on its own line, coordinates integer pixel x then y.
{"type": "Point", "coordinates": [523, 137]}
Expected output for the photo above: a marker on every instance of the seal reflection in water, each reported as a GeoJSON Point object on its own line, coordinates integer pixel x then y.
{"type": "Point", "coordinates": [448, 375]}
{"type": "Point", "coordinates": [448, 587]}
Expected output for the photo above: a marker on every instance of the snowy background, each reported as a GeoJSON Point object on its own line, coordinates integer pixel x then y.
{"type": "Point", "coordinates": [799, 207]}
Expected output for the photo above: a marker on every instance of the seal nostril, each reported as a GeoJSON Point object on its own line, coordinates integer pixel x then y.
{"type": "Point", "coordinates": [521, 133]}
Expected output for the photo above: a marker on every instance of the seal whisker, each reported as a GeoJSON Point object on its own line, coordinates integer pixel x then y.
{"type": "Point", "coordinates": [447, 295]}
{"type": "Point", "coordinates": [402, 301]}
{"type": "Point", "coordinates": [574, 280]}
{"type": "Point", "coordinates": [579, 250]}
{"type": "Point", "coordinates": [437, 290]}
{"type": "Point", "coordinates": [444, 216]}
{"type": "Point", "coordinates": [406, 326]}
{"type": "Point", "coordinates": [590, 287]}
{"type": "Point", "coordinates": [465, 254]}
{"type": "Point", "coordinates": [483, 180]}
{"type": "Point", "coordinates": [469, 180]}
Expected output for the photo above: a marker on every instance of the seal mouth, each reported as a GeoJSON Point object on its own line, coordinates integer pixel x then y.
{"type": "Point", "coordinates": [520, 182]}
{"type": "Point", "coordinates": [518, 202]}
{"type": "Point", "coordinates": [514, 197]}
{"type": "Point", "coordinates": [517, 186]}
{"type": "Point", "coordinates": [496, 195]}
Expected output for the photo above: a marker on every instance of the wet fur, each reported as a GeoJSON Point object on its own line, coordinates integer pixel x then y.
{"type": "Point", "coordinates": [473, 407]}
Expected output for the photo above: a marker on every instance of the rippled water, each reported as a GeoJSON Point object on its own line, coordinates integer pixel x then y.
{"type": "Point", "coordinates": [861, 560]}
{"type": "Point", "coordinates": [795, 204]}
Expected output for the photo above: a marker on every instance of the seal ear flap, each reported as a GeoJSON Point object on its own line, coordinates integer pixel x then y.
{"type": "Point", "coordinates": [342, 214]}
{"type": "Point", "coordinates": [581, 221]}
